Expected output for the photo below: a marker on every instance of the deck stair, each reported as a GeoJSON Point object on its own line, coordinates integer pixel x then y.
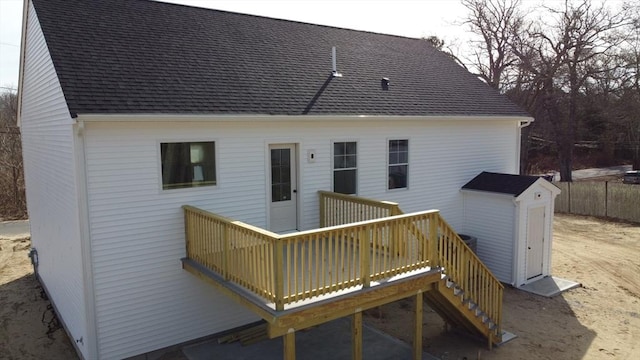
{"type": "Point", "coordinates": [448, 300]}
{"type": "Point", "coordinates": [468, 296]}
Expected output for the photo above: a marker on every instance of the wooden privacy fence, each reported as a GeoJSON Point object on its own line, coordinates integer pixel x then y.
{"type": "Point", "coordinates": [604, 199]}
{"type": "Point", "coordinates": [287, 268]}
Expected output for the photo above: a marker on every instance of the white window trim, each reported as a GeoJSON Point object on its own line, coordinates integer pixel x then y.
{"type": "Point", "coordinates": [357, 162]}
{"type": "Point", "coordinates": [216, 148]}
{"type": "Point", "coordinates": [386, 186]}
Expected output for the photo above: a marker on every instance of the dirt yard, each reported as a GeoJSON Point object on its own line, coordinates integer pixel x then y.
{"type": "Point", "coordinates": [600, 320]}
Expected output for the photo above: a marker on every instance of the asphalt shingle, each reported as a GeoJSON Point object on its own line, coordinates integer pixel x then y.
{"type": "Point", "coordinates": [139, 56]}
{"type": "Point", "coordinates": [501, 183]}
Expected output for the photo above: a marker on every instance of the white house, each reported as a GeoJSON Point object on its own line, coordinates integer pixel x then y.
{"type": "Point", "coordinates": [130, 109]}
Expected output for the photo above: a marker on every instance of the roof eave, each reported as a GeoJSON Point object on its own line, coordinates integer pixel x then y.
{"type": "Point", "coordinates": [150, 117]}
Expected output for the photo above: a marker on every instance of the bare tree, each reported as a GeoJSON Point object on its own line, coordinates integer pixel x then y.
{"type": "Point", "coordinates": [496, 22]}
{"type": "Point", "coordinates": [627, 111]}
{"type": "Point", "coordinates": [12, 199]}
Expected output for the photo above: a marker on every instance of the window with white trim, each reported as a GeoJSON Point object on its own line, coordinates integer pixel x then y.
{"type": "Point", "coordinates": [345, 170]}
{"type": "Point", "coordinates": [398, 164]}
{"type": "Point", "coordinates": [188, 164]}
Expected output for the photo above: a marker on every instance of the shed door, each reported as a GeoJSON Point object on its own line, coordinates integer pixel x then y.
{"type": "Point", "coordinates": [284, 194]}
{"type": "Point", "coordinates": [535, 241]}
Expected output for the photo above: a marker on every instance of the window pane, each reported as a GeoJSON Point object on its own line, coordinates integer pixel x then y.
{"type": "Point", "coordinates": [285, 157]}
{"type": "Point", "coordinates": [188, 164]}
{"type": "Point", "coordinates": [393, 158]}
{"type": "Point", "coordinates": [398, 176]}
{"type": "Point", "coordinates": [275, 157]}
{"type": "Point", "coordinates": [275, 174]}
{"type": "Point", "coordinates": [338, 148]}
{"type": "Point", "coordinates": [398, 158]}
{"type": "Point", "coordinates": [350, 161]}
{"type": "Point", "coordinates": [403, 157]}
{"type": "Point", "coordinates": [339, 162]}
{"type": "Point", "coordinates": [351, 148]}
{"type": "Point", "coordinates": [280, 175]}
{"type": "Point", "coordinates": [285, 175]}
{"type": "Point", "coordinates": [344, 181]}
{"type": "Point", "coordinates": [276, 192]}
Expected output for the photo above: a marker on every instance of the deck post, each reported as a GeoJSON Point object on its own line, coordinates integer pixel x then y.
{"type": "Point", "coordinates": [364, 258]}
{"type": "Point", "coordinates": [187, 233]}
{"type": "Point", "coordinates": [417, 336]}
{"type": "Point", "coordinates": [289, 348]}
{"type": "Point", "coordinates": [433, 240]}
{"type": "Point", "coordinates": [356, 335]}
{"type": "Point", "coordinates": [279, 273]}
{"type": "Point", "coordinates": [225, 252]}
{"type": "Point", "coordinates": [322, 199]}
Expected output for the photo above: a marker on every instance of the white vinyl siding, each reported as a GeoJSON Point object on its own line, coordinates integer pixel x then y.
{"type": "Point", "coordinates": [50, 177]}
{"type": "Point", "coordinates": [144, 299]}
{"type": "Point", "coordinates": [491, 218]}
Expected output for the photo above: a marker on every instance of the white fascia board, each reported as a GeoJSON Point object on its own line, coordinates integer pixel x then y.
{"type": "Point", "coordinates": [267, 118]}
{"type": "Point", "coordinates": [23, 50]}
{"type": "Point", "coordinates": [488, 193]}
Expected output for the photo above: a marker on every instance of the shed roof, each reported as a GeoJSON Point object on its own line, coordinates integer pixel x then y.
{"type": "Point", "coordinates": [501, 183]}
{"type": "Point", "coordinates": [139, 56]}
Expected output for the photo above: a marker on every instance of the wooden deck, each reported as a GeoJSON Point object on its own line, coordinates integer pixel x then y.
{"type": "Point", "coordinates": [370, 255]}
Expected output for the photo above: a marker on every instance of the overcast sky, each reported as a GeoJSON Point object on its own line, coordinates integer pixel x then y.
{"type": "Point", "coordinates": [412, 18]}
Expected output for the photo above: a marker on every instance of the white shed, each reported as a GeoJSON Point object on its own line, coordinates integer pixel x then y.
{"type": "Point", "coordinates": [512, 217]}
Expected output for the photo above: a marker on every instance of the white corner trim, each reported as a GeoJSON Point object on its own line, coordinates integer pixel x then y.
{"type": "Point", "coordinates": [23, 50]}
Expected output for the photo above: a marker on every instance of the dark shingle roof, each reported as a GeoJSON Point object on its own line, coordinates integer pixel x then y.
{"type": "Point", "coordinates": [138, 56]}
{"type": "Point", "coordinates": [501, 183]}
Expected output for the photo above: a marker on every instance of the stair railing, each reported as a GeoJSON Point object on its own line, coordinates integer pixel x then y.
{"type": "Point", "coordinates": [459, 262]}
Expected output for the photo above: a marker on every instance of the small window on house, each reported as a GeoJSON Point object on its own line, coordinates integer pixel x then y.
{"type": "Point", "coordinates": [345, 167]}
{"type": "Point", "coordinates": [398, 163]}
{"type": "Point", "coordinates": [188, 164]}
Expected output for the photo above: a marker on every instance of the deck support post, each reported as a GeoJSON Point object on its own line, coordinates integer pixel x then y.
{"type": "Point", "coordinates": [365, 261]}
{"type": "Point", "coordinates": [433, 241]}
{"type": "Point", "coordinates": [417, 336]}
{"type": "Point", "coordinates": [225, 253]}
{"type": "Point", "coordinates": [279, 274]}
{"type": "Point", "coordinates": [289, 342]}
{"type": "Point", "coordinates": [356, 336]}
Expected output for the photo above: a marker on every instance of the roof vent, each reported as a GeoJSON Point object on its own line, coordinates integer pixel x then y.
{"type": "Point", "coordinates": [384, 83]}
{"type": "Point", "coordinates": [335, 72]}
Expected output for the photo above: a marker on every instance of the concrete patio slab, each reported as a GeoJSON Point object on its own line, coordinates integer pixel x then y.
{"type": "Point", "coordinates": [330, 341]}
{"type": "Point", "coordinates": [549, 286]}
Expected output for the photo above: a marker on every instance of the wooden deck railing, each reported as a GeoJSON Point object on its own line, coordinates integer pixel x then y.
{"type": "Point", "coordinates": [464, 268]}
{"type": "Point", "coordinates": [339, 209]}
{"type": "Point", "coordinates": [287, 268]}
{"type": "Point", "coordinates": [460, 264]}
{"type": "Point", "coordinates": [237, 251]}
{"type": "Point", "coordinates": [361, 241]}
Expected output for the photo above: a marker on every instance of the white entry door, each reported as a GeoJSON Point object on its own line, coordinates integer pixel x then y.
{"type": "Point", "coordinates": [535, 242]}
{"type": "Point", "coordinates": [284, 185]}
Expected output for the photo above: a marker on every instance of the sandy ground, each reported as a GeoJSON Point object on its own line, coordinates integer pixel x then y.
{"type": "Point", "coordinates": [600, 320]}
